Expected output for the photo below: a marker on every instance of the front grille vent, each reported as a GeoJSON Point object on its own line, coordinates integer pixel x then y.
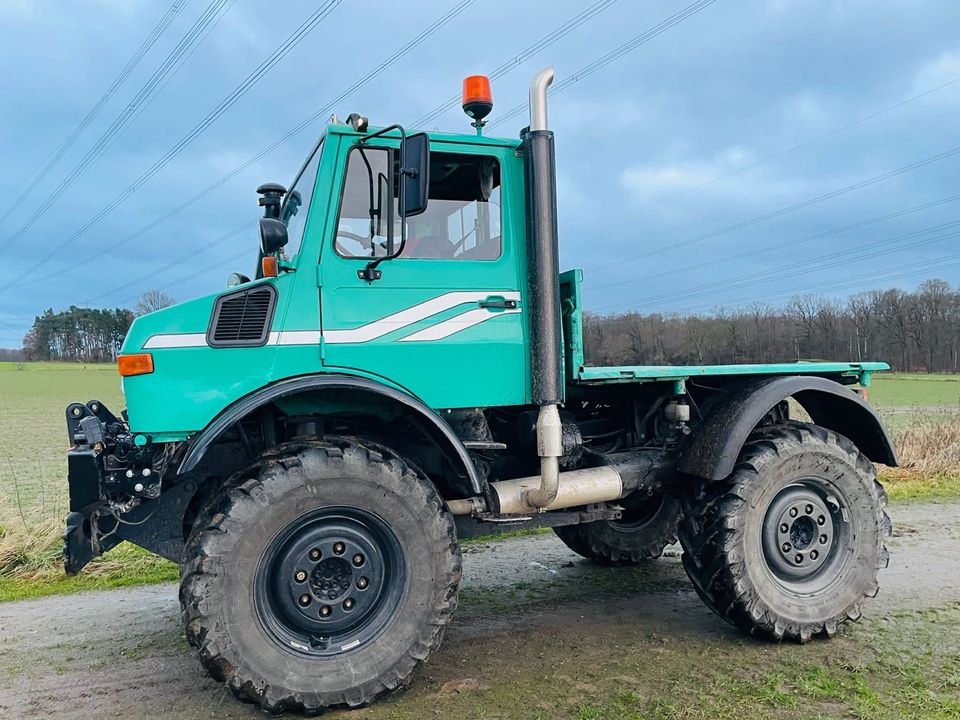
{"type": "Point", "coordinates": [242, 318]}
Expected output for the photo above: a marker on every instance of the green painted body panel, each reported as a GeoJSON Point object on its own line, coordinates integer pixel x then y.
{"type": "Point", "coordinates": [571, 313]}
{"type": "Point", "coordinates": [481, 366]}
{"type": "Point", "coordinates": [320, 296]}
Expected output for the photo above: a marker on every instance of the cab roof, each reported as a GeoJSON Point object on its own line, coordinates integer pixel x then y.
{"type": "Point", "coordinates": [459, 138]}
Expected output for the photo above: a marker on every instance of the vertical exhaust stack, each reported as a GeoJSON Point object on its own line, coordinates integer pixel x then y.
{"type": "Point", "coordinates": [543, 302]}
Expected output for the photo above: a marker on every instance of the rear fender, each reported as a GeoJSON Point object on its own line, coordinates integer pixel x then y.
{"type": "Point", "coordinates": [716, 443]}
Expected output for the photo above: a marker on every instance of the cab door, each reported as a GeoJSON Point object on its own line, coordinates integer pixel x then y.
{"type": "Point", "coordinates": [445, 320]}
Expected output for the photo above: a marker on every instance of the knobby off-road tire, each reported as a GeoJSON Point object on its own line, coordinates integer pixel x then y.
{"type": "Point", "coordinates": [790, 544]}
{"type": "Point", "coordinates": [322, 578]}
{"type": "Point", "coordinates": [648, 525]}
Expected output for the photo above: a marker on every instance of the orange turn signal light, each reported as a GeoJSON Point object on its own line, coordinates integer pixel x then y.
{"type": "Point", "coordinates": [269, 266]}
{"type": "Point", "coordinates": [140, 364]}
{"type": "Point", "coordinates": [477, 98]}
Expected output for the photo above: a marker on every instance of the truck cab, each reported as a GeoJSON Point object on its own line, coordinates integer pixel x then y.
{"type": "Point", "coordinates": [406, 369]}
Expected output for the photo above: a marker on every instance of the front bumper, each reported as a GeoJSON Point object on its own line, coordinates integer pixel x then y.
{"type": "Point", "coordinates": [105, 477]}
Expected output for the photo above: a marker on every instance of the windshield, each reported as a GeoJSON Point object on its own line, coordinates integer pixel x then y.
{"type": "Point", "coordinates": [296, 205]}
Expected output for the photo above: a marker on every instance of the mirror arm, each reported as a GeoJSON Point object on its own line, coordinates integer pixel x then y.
{"type": "Point", "coordinates": [370, 272]}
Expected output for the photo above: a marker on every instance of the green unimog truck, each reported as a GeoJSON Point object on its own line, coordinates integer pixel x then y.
{"type": "Point", "coordinates": [405, 370]}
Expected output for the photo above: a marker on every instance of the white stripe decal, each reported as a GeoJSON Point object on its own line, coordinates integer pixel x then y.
{"type": "Point", "coordinates": [176, 341]}
{"type": "Point", "coordinates": [400, 320]}
{"type": "Point", "coordinates": [191, 340]}
{"type": "Point", "coordinates": [295, 337]}
{"type": "Point", "coordinates": [372, 331]}
{"type": "Point", "coordinates": [455, 324]}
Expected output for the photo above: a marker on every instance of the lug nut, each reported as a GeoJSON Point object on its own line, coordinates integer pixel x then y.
{"type": "Point", "coordinates": [798, 559]}
{"type": "Point", "coordinates": [348, 604]}
{"type": "Point", "coordinates": [784, 528]}
{"type": "Point", "coordinates": [300, 576]}
{"type": "Point", "coordinates": [339, 548]}
{"type": "Point", "coordinates": [138, 487]}
{"type": "Point", "coordinates": [362, 583]}
{"type": "Point", "coordinates": [823, 539]}
{"type": "Point", "coordinates": [315, 554]}
{"type": "Point", "coordinates": [358, 560]}
{"type": "Point", "coordinates": [821, 520]}
{"type": "Point", "coordinates": [793, 512]}
{"type": "Point", "coordinates": [325, 611]}
{"type": "Point", "coordinates": [304, 600]}
{"type": "Point", "coordinates": [786, 547]}
{"type": "Point", "coordinates": [814, 554]}
{"type": "Point", "coordinates": [129, 473]}
{"type": "Point", "coordinates": [145, 472]}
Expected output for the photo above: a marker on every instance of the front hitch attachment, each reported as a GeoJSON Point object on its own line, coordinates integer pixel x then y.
{"type": "Point", "coordinates": [109, 471]}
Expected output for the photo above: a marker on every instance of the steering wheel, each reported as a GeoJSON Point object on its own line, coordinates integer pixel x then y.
{"type": "Point", "coordinates": [362, 240]}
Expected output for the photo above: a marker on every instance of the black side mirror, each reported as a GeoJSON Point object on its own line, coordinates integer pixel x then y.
{"type": "Point", "coordinates": [416, 174]}
{"type": "Point", "coordinates": [273, 235]}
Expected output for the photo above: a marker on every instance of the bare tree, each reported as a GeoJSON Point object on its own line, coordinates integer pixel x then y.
{"type": "Point", "coordinates": [151, 301]}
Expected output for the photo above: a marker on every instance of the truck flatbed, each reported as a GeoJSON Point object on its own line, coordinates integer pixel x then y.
{"type": "Point", "coordinates": [658, 373]}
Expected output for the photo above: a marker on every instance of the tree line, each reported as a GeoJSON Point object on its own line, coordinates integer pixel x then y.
{"type": "Point", "coordinates": [913, 331]}
{"type": "Point", "coordinates": [77, 334]}
{"type": "Point", "coordinates": [80, 334]}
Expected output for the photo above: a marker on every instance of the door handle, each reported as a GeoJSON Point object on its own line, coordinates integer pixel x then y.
{"type": "Point", "coordinates": [499, 304]}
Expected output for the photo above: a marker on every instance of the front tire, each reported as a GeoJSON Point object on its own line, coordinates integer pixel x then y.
{"type": "Point", "coordinates": [323, 579]}
{"type": "Point", "coordinates": [790, 544]}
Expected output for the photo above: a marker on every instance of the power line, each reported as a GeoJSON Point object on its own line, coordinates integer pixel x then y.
{"type": "Point", "coordinates": [176, 262]}
{"type": "Point", "coordinates": [379, 68]}
{"type": "Point", "coordinates": [192, 276]}
{"type": "Point", "coordinates": [782, 211]}
{"type": "Point", "coordinates": [524, 55]}
{"type": "Point", "coordinates": [614, 54]}
{"type": "Point", "coordinates": [823, 262]}
{"type": "Point", "coordinates": [793, 242]}
{"type": "Point", "coordinates": [68, 142]}
{"type": "Point", "coordinates": [945, 262]}
{"type": "Point", "coordinates": [258, 73]}
{"type": "Point", "coordinates": [768, 158]}
{"type": "Point", "coordinates": [170, 65]}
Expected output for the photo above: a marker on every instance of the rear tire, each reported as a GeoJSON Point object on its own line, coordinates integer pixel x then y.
{"type": "Point", "coordinates": [790, 544]}
{"type": "Point", "coordinates": [322, 579]}
{"type": "Point", "coordinates": [648, 525]}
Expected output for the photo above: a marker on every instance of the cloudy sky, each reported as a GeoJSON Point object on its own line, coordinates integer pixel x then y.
{"type": "Point", "coordinates": [755, 149]}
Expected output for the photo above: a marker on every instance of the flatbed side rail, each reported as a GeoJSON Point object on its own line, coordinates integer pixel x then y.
{"type": "Point", "coordinates": [855, 372]}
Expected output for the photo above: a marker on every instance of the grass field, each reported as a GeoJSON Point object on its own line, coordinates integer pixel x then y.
{"type": "Point", "coordinates": [923, 412]}
{"type": "Point", "coordinates": [906, 391]}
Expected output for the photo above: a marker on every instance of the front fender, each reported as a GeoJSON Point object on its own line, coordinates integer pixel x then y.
{"type": "Point", "coordinates": [716, 443]}
{"type": "Point", "coordinates": [432, 424]}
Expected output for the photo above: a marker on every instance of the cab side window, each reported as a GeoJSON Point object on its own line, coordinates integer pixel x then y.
{"type": "Point", "coordinates": [462, 220]}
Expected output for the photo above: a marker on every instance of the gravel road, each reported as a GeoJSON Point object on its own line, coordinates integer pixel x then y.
{"type": "Point", "coordinates": [122, 652]}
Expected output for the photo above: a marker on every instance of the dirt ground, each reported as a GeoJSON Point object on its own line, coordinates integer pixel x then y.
{"type": "Point", "coordinates": [540, 633]}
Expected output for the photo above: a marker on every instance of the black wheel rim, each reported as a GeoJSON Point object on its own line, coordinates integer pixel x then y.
{"type": "Point", "coordinates": [330, 582]}
{"type": "Point", "coordinates": [807, 535]}
{"type": "Point", "coordinates": [639, 511]}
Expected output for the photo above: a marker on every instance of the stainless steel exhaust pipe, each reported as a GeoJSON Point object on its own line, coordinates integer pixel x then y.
{"type": "Point", "coordinates": [538, 98]}
{"type": "Point", "coordinates": [576, 487]}
{"type": "Point", "coordinates": [621, 474]}
{"type": "Point", "coordinates": [544, 296]}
